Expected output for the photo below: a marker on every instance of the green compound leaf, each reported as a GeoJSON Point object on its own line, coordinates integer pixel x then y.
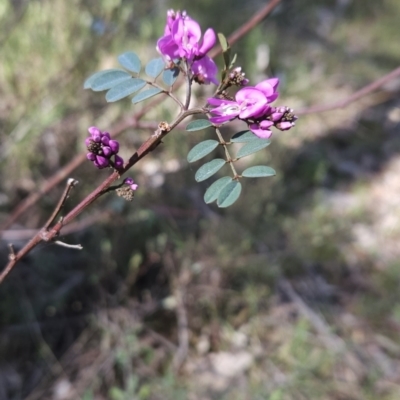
{"type": "Point", "coordinates": [214, 190]}
{"type": "Point", "coordinates": [124, 89]}
{"type": "Point", "coordinates": [108, 79]}
{"type": "Point", "coordinates": [201, 150]}
{"type": "Point", "coordinates": [154, 67]}
{"type": "Point", "coordinates": [252, 147]}
{"type": "Point", "coordinates": [229, 194]}
{"type": "Point", "coordinates": [209, 169]}
{"type": "Point", "coordinates": [130, 61]}
{"type": "Point", "coordinates": [244, 137]}
{"type": "Point", "coordinates": [169, 76]}
{"type": "Point", "coordinates": [146, 95]}
{"type": "Point", "coordinates": [198, 125]}
{"type": "Point", "coordinates": [258, 171]}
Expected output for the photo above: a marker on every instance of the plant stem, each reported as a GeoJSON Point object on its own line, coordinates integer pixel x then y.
{"type": "Point", "coordinates": [229, 159]}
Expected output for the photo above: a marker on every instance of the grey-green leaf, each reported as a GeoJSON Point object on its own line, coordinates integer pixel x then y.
{"type": "Point", "coordinates": [198, 125]}
{"type": "Point", "coordinates": [108, 79]}
{"type": "Point", "coordinates": [90, 80]}
{"type": "Point", "coordinates": [124, 89]}
{"type": "Point", "coordinates": [201, 150]}
{"type": "Point", "coordinates": [130, 61]}
{"type": "Point", "coordinates": [213, 191]}
{"type": "Point", "coordinates": [244, 137]}
{"type": "Point", "coordinates": [146, 95]}
{"type": "Point", "coordinates": [252, 147]}
{"type": "Point", "coordinates": [229, 194]}
{"type": "Point", "coordinates": [154, 67]}
{"type": "Point", "coordinates": [169, 76]}
{"type": "Point", "coordinates": [223, 42]}
{"type": "Point", "coordinates": [209, 169]}
{"type": "Point", "coordinates": [258, 171]}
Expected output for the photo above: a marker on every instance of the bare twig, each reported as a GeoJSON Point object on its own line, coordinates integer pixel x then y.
{"type": "Point", "coordinates": [69, 246]}
{"type": "Point", "coordinates": [70, 184]}
{"type": "Point", "coordinates": [354, 97]}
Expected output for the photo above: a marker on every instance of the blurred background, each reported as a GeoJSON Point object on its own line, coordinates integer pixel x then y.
{"type": "Point", "coordinates": [292, 293]}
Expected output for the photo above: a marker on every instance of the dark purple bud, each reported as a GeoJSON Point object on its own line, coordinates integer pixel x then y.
{"type": "Point", "coordinates": [105, 140]}
{"type": "Point", "coordinates": [107, 152]}
{"type": "Point", "coordinates": [114, 145]}
{"type": "Point", "coordinates": [90, 156]}
{"type": "Point", "coordinates": [266, 124]}
{"type": "Point", "coordinates": [106, 134]}
{"type": "Point", "coordinates": [118, 162]}
{"type": "Point", "coordinates": [101, 162]}
{"type": "Point", "coordinates": [129, 181]}
{"type": "Point", "coordinates": [88, 141]}
{"type": "Point", "coordinates": [93, 130]}
{"type": "Point", "coordinates": [285, 125]}
{"type": "Point", "coordinates": [276, 116]}
{"type": "Point", "coordinates": [96, 137]}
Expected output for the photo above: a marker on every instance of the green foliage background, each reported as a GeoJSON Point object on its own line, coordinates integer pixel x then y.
{"type": "Point", "coordinates": [328, 222]}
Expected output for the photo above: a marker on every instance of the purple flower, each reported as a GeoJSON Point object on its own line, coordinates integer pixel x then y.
{"type": "Point", "coordinates": [268, 87]}
{"type": "Point", "coordinates": [225, 111]}
{"type": "Point", "coordinates": [205, 71]}
{"type": "Point", "coordinates": [101, 148]}
{"type": "Point", "coordinates": [253, 102]}
{"type": "Point", "coordinates": [182, 38]}
{"type": "Point", "coordinates": [131, 183]}
{"type": "Point", "coordinates": [250, 103]}
{"type": "Point", "coordinates": [261, 129]}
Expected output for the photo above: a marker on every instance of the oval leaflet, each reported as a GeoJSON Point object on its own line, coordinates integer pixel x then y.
{"type": "Point", "coordinates": [209, 169]}
{"type": "Point", "coordinates": [201, 150]}
{"type": "Point", "coordinates": [229, 194]}
{"type": "Point", "coordinates": [258, 171]}
{"type": "Point", "coordinates": [214, 190]}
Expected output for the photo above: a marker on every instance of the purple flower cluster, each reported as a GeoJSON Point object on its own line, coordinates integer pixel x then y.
{"type": "Point", "coordinates": [182, 40]}
{"type": "Point", "coordinates": [252, 104]}
{"type": "Point", "coordinates": [102, 148]}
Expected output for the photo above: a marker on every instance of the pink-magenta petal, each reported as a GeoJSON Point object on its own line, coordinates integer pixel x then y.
{"type": "Point", "coordinates": [261, 133]}
{"type": "Point", "coordinates": [208, 43]}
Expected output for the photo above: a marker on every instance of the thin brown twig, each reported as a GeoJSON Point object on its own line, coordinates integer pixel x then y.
{"type": "Point", "coordinates": [131, 122]}
{"type": "Point", "coordinates": [70, 184]}
{"type": "Point", "coordinates": [354, 97]}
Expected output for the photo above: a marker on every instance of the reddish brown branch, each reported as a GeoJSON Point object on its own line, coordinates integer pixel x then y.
{"type": "Point", "coordinates": [354, 97]}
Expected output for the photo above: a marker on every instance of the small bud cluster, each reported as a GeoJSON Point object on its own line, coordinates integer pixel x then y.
{"type": "Point", "coordinates": [127, 192]}
{"type": "Point", "coordinates": [237, 77]}
{"type": "Point", "coordinates": [102, 148]}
